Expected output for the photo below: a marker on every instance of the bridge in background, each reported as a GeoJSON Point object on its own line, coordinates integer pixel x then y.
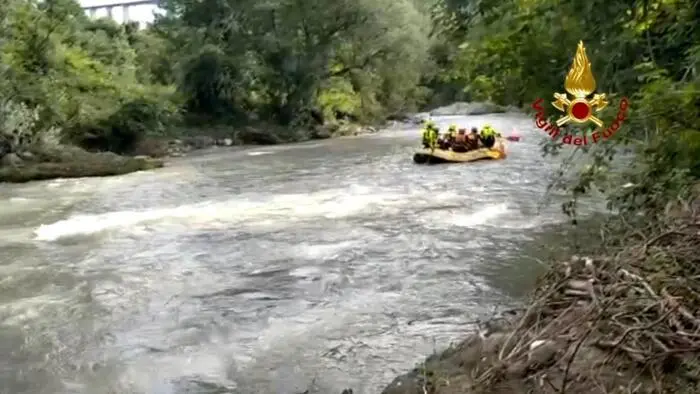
{"type": "Point", "coordinates": [122, 11]}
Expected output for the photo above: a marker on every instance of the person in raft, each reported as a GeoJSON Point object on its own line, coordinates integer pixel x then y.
{"type": "Point", "coordinates": [430, 134]}
{"type": "Point", "coordinates": [473, 139]}
{"type": "Point", "coordinates": [447, 140]}
{"type": "Point", "coordinates": [460, 142]}
{"type": "Point", "coordinates": [488, 136]}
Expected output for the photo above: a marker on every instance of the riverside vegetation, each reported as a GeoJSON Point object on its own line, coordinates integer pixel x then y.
{"type": "Point", "coordinates": [624, 318]}
{"type": "Point", "coordinates": [81, 95]}
{"type": "Point", "coordinates": [234, 72]}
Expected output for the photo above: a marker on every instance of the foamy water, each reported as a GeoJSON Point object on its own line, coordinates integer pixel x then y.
{"type": "Point", "coordinates": [328, 204]}
{"type": "Point", "coordinates": [259, 153]}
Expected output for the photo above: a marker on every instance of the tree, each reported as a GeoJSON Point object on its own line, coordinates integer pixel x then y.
{"type": "Point", "coordinates": [273, 58]}
{"type": "Point", "coordinates": [516, 51]}
{"type": "Point", "coordinates": [77, 73]}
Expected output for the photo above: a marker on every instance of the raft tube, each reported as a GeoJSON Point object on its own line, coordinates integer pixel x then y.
{"type": "Point", "coordinates": [438, 156]}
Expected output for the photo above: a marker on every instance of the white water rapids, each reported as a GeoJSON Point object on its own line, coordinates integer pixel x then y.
{"type": "Point", "coordinates": [315, 266]}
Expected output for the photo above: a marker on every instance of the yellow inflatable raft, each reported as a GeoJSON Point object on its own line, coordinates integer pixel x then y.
{"type": "Point", "coordinates": [436, 156]}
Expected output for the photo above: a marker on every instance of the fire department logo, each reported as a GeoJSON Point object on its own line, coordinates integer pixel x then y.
{"type": "Point", "coordinates": [580, 106]}
{"type": "Point", "coordinates": [580, 83]}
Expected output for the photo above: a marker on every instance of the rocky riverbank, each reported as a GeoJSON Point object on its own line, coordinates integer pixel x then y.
{"type": "Point", "coordinates": [272, 135]}
{"type": "Point", "coordinates": [623, 322]}
{"type": "Point", "coordinates": [41, 162]}
{"type": "Point", "coordinates": [227, 137]}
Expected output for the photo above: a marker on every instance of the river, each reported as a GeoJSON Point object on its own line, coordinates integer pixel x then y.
{"type": "Point", "coordinates": [317, 266]}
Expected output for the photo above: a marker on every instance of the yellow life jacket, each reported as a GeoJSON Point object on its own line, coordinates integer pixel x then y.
{"type": "Point", "coordinates": [488, 131]}
{"type": "Point", "coordinates": [433, 138]}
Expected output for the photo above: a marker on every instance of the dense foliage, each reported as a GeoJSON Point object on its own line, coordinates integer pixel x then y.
{"type": "Point", "coordinates": [78, 76]}
{"type": "Point", "coordinates": [284, 62]}
{"type": "Point", "coordinates": [515, 51]}
{"type": "Point", "coordinates": [293, 63]}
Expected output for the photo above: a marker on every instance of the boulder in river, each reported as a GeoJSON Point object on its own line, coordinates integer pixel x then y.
{"type": "Point", "coordinates": [466, 109]}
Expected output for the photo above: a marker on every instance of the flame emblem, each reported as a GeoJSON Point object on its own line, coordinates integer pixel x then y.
{"type": "Point", "coordinates": [580, 83]}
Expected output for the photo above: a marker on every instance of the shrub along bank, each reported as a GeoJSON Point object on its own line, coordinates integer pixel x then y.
{"type": "Point", "coordinates": [626, 319]}
{"type": "Point", "coordinates": [622, 321]}
{"type": "Point", "coordinates": [261, 73]}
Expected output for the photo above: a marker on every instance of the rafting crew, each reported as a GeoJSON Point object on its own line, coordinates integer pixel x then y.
{"type": "Point", "coordinates": [472, 142]}
{"type": "Point", "coordinates": [451, 134]}
{"type": "Point", "coordinates": [458, 140]}
{"type": "Point", "coordinates": [431, 135]}
{"type": "Point", "coordinates": [488, 136]}
{"type": "Point", "coordinates": [460, 143]}
{"type": "Point", "coordinates": [446, 140]}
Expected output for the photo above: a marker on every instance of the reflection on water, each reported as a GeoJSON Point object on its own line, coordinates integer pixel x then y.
{"type": "Point", "coordinates": [262, 270]}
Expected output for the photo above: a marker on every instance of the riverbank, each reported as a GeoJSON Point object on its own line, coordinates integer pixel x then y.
{"type": "Point", "coordinates": [270, 134]}
{"type": "Point", "coordinates": [95, 167]}
{"type": "Point", "coordinates": [42, 162]}
{"type": "Point", "coordinates": [185, 140]}
{"type": "Point", "coordinates": [624, 321]}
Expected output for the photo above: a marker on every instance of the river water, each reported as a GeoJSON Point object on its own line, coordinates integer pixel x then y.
{"type": "Point", "coordinates": [314, 266]}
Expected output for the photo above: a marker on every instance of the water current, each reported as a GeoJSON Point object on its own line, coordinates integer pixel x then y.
{"type": "Point", "coordinates": [317, 266]}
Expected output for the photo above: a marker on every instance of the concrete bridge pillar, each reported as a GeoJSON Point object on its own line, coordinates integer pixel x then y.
{"type": "Point", "coordinates": [125, 13]}
{"type": "Point", "coordinates": [110, 14]}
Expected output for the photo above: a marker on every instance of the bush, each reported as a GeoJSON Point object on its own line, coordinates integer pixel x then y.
{"type": "Point", "coordinates": [17, 127]}
{"type": "Point", "coordinates": [124, 129]}
{"type": "Point", "coordinates": [338, 100]}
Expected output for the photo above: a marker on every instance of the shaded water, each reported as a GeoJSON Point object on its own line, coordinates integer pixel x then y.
{"type": "Point", "coordinates": [262, 270]}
